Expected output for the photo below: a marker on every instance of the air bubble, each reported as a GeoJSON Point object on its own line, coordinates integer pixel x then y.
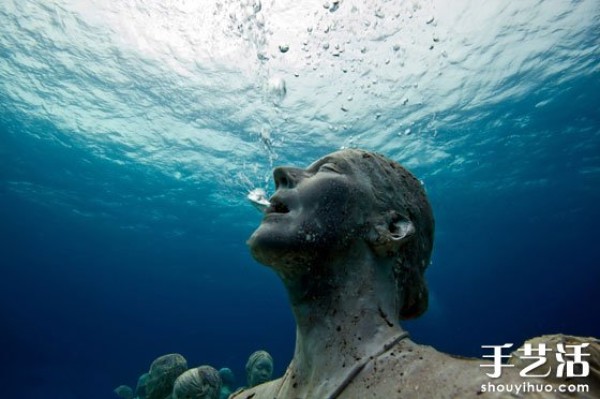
{"type": "Point", "coordinates": [265, 134]}
{"type": "Point", "coordinates": [256, 6]}
{"type": "Point", "coordinates": [277, 87]}
{"type": "Point", "coordinates": [258, 198]}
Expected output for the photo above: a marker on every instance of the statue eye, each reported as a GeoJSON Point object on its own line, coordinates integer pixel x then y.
{"type": "Point", "coordinates": [329, 167]}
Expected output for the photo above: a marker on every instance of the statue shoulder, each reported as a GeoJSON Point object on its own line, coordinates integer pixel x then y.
{"type": "Point", "coordinates": [410, 370]}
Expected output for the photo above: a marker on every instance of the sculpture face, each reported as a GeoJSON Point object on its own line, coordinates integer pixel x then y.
{"type": "Point", "coordinates": [314, 213]}
{"type": "Point", "coordinates": [261, 372]}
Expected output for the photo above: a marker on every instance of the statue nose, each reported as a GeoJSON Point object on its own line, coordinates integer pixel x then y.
{"type": "Point", "coordinates": [286, 177]}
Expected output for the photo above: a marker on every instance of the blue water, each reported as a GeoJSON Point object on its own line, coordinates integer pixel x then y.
{"type": "Point", "coordinates": [109, 260]}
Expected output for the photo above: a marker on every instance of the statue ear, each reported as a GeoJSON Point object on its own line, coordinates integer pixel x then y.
{"type": "Point", "coordinates": [389, 233]}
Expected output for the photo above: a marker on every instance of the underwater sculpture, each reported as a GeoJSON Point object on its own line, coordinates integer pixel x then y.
{"type": "Point", "coordinates": [124, 391]}
{"type": "Point", "coordinates": [259, 368]}
{"type": "Point", "coordinates": [227, 382]}
{"type": "Point", "coordinates": [140, 389]}
{"type": "Point", "coordinates": [202, 382]}
{"type": "Point", "coordinates": [350, 237]}
{"type": "Point", "coordinates": [162, 375]}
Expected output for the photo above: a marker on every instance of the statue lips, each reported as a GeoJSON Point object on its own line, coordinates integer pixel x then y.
{"type": "Point", "coordinates": [276, 209]}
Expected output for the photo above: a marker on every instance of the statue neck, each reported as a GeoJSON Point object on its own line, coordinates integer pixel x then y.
{"type": "Point", "coordinates": [345, 312]}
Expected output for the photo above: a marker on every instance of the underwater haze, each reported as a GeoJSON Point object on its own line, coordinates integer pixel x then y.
{"type": "Point", "coordinates": [131, 132]}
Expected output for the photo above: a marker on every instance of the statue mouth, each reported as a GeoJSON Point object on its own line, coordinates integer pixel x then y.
{"type": "Point", "coordinates": [277, 206]}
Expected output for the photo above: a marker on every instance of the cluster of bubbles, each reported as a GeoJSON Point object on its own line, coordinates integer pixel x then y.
{"type": "Point", "coordinates": [303, 51]}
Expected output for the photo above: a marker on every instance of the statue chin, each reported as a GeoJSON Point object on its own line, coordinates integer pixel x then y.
{"type": "Point", "coordinates": [258, 253]}
{"type": "Point", "coordinates": [259, 244]}
{"type": "Point", "coordinates": [272, 247]}
{"type": "Point", "coordinates": [289, 264]}
{"type": "Point", "coordinates": [265, 249]}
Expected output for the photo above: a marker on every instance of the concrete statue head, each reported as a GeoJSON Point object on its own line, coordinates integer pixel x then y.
{"type": "Point", "coordinates": [201, 382]}
{"type": "Point", "coordinates": [164, 370]}
{"type": "Point", "coordinates": [351, 196]}
{"type": "Point", "coordinates": [259, 368]}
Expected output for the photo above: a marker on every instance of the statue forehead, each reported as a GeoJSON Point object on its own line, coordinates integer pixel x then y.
{"type": "Point", "coordinates": [346, 156]}
{"type": "Point", "coordinates": [259, 356]}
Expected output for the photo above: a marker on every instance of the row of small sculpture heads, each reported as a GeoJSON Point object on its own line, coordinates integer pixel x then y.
{"type": "Point", "coordinates": [170, 378]}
